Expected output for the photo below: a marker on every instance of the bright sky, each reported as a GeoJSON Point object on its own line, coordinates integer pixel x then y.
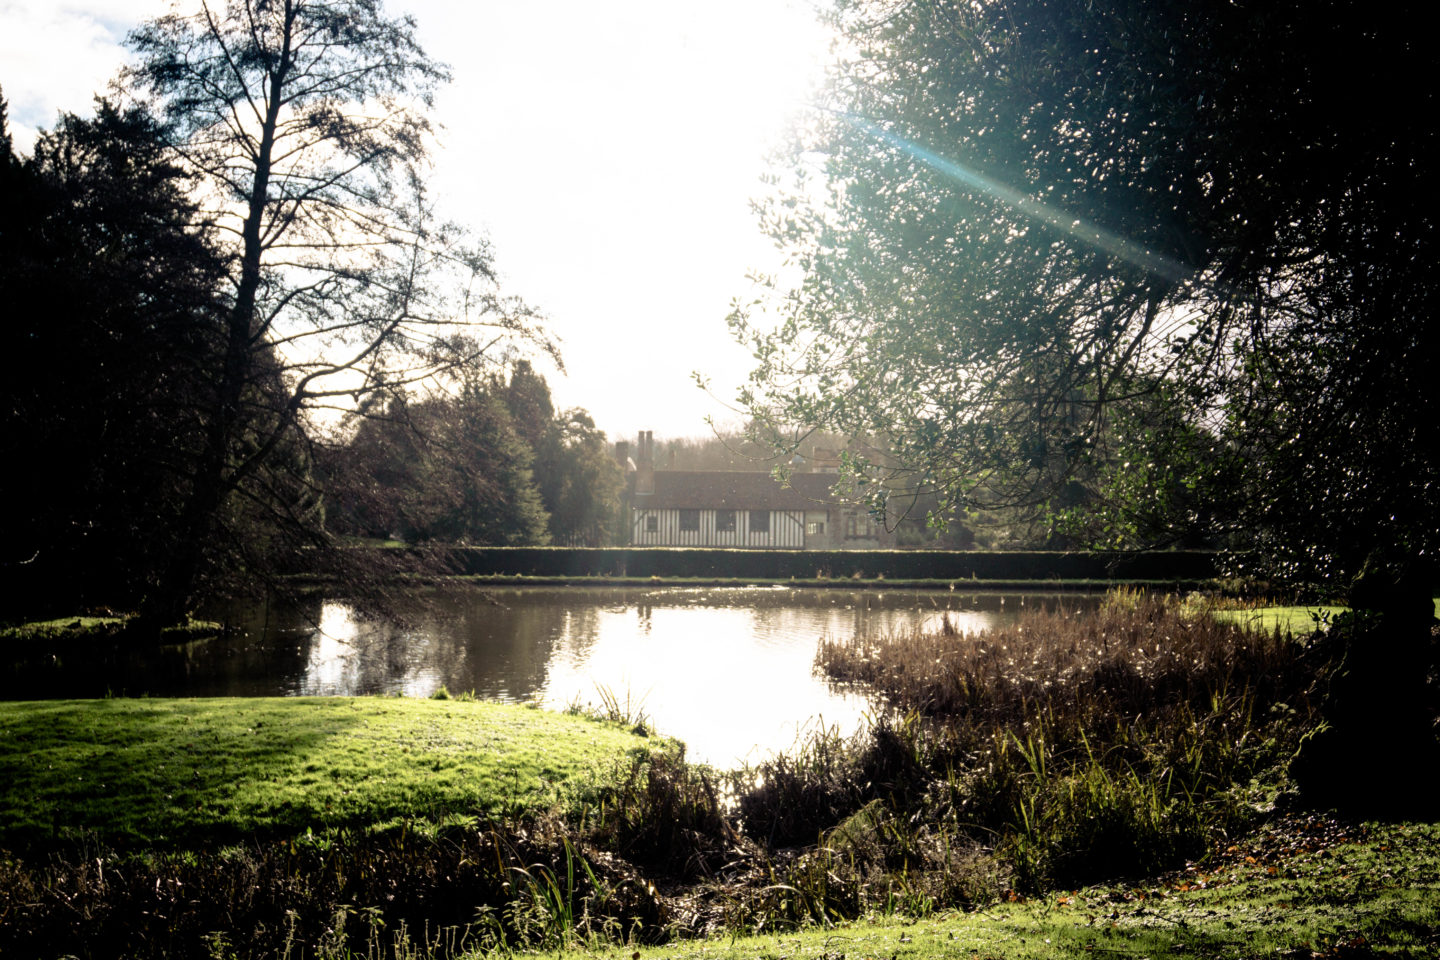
{"type": "Point", "coordinates": [608, 150]}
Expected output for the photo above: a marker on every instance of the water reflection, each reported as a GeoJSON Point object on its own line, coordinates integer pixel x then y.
{"type": "Point", "coordinates": [729, 671]}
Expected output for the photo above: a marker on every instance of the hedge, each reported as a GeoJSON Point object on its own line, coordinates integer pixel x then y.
{"type": "Point", "coordinates": [807, 564]}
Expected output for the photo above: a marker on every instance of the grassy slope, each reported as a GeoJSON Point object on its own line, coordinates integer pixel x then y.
{"type": "Point", "coordinates": [1379, 897]}
{"type": "Point", "coordinates": [1296, 620]}
{"type": "Point", "coordinates": [174, 772]}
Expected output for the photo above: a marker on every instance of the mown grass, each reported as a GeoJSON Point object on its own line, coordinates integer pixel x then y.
{"type": "Point", "coordinates": [1293, 619]}
{"type": "Point", "coordinates": [167, 773]}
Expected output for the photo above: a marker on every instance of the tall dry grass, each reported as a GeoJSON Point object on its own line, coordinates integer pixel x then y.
{"type": "Point", "coordinates": [1137, 654]}
{"type": "Point", "coordinates": [1071, 746]}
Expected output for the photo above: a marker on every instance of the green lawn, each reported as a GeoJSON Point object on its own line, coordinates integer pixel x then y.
{"type": "Point", "coordinates": [1297, 620]}
{"type": "Point", "coordinates": [178, 772]}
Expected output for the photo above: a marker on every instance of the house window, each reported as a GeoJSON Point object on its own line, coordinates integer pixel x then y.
{"type": "Point", "coordinates": [652, 524]}
{"type": "Point", "coordinates": [759, 521]}
{"type": "Point", "coordinates": [689, 520]}
{"type": "Point", "coordinates": [725, 521]}
{"type": "Point", "coordinates": [859, 527]}
{"type": "Point", "coordinates": [815, 528]}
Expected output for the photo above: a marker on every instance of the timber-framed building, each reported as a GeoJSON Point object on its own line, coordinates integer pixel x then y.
{"type": "Point", "coordinates": [719, 508]}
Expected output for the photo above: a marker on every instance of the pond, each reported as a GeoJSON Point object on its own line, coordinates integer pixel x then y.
{"type": "Point", "coordinates": [730, 671]}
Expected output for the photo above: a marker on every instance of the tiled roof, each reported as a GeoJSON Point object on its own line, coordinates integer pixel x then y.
{"type": "Point", "coordinates": [716, 489]}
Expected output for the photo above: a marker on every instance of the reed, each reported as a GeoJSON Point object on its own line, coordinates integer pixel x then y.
{"type": "Point", "coordinates": [1067, 748]}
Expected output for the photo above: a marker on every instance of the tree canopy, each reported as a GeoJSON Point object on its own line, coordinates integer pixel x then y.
{"type": "Point", "coordinates": [306, 124]}
{"type": "Point", "coordinates": [112, 316]}
{"type": "Point", "coordinates": [1018, 223]}
{"type": "Point", "coordinates": [239, 242]}
{"type": "Point", "coordinates": [491, 463]}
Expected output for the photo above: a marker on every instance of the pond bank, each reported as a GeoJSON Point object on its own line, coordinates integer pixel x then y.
{"type": "Point", "coordinates": [177, 772]}
{"type": "Point", "coordinates": [981, 825]}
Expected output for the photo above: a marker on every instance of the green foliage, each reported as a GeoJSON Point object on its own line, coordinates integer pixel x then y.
{"type": "Point", "coordinates": [448, 468]}
{"type": "Point", "coordinates": [579, 482]}
{"type": "Point", "coordinates": [1044, 261]}
{"type": "Point", "coordinates": [488, 464]}
{"type": "Point", "coordinates": [112, 305]}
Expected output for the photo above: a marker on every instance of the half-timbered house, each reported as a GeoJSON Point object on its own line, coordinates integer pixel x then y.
{"type": "Point", "coordinates": [713, 508]}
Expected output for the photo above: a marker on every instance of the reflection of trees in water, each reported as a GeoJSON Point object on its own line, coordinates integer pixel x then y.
{"type": "Point", "coordinates": [501, 643]}
{"type": "Point", "coordinates": [507, 640]}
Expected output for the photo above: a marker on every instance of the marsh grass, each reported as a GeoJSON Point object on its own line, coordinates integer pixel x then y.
{"type": "Point", "coordinates": [1374, 894]}
{"type": "Point", "coordinates": [1067, 748]}
{"type": "Point", "coordinates": [410, 890]}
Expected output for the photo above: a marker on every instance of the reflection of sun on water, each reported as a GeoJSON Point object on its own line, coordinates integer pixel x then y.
{"type": "Point", "coordinates": [698, 674]}
{"type": "Point", "coordinates": [332, 654]}
{"type": "Point", "coordinates": [730, 673]}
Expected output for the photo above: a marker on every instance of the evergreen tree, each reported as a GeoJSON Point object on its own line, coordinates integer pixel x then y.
{"type": "Point", "coordinates": [113, 300]}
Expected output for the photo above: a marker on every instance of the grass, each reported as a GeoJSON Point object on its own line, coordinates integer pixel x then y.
{"type": "Point", "coordinates": [1379, 897]}
{"type": "Point", "coordinates": [175, 772]}
{"type": "Point", "coordinates": [1294, 619]}
{"type": "Point", "coordinates": [66, 629]}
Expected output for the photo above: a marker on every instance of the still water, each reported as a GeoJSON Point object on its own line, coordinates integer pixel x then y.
{"type": "Point", "coordinates": [730, 671]}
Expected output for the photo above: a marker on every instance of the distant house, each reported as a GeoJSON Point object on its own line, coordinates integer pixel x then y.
{"type": "Point", "coordinates": [712, 508]}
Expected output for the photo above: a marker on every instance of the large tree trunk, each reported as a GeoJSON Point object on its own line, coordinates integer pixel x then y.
{"type": "Point", "coordinates": [217, 472]}
{"type": "Point", "coordinates": [1376, 751]}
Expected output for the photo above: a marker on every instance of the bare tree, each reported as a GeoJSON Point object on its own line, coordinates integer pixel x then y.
{"type": "Point", "coordinates": [306, 122]}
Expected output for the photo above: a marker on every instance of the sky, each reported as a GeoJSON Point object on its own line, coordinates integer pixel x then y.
{"type": "Point", "coordinates": [608, 150]}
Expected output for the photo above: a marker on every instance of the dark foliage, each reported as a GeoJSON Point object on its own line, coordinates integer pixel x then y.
{"type": "Point", "coordinates": [112, 302]}
{"type": "Point", "coordinates": [490, 463]}
{"type": "Point", "coordinates": [1184, 243]}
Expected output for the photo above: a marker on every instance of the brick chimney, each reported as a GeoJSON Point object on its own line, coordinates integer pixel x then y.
{"type": "Point", "coordinates": [645, 464]}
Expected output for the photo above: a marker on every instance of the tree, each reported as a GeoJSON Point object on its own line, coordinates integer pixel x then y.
{"type": "Point", "coordinates": [305, 123]}
{"type": "Point", "coordinates": [113, 308]}
{"type": "Point", "coordinates": [449, 468]}
{"type": "Point", "coordinates": [1042, 223]}
{"type": "Point", "coordinates": [1035, 215]}
{"type": "Point", "coordinates": [579, 482]}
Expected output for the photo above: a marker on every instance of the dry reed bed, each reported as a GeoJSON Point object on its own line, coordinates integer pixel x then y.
{"type": "Point", "coordinates": [1068, 748]}
{"type": "Point", "coordinates": [1136, 654]}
